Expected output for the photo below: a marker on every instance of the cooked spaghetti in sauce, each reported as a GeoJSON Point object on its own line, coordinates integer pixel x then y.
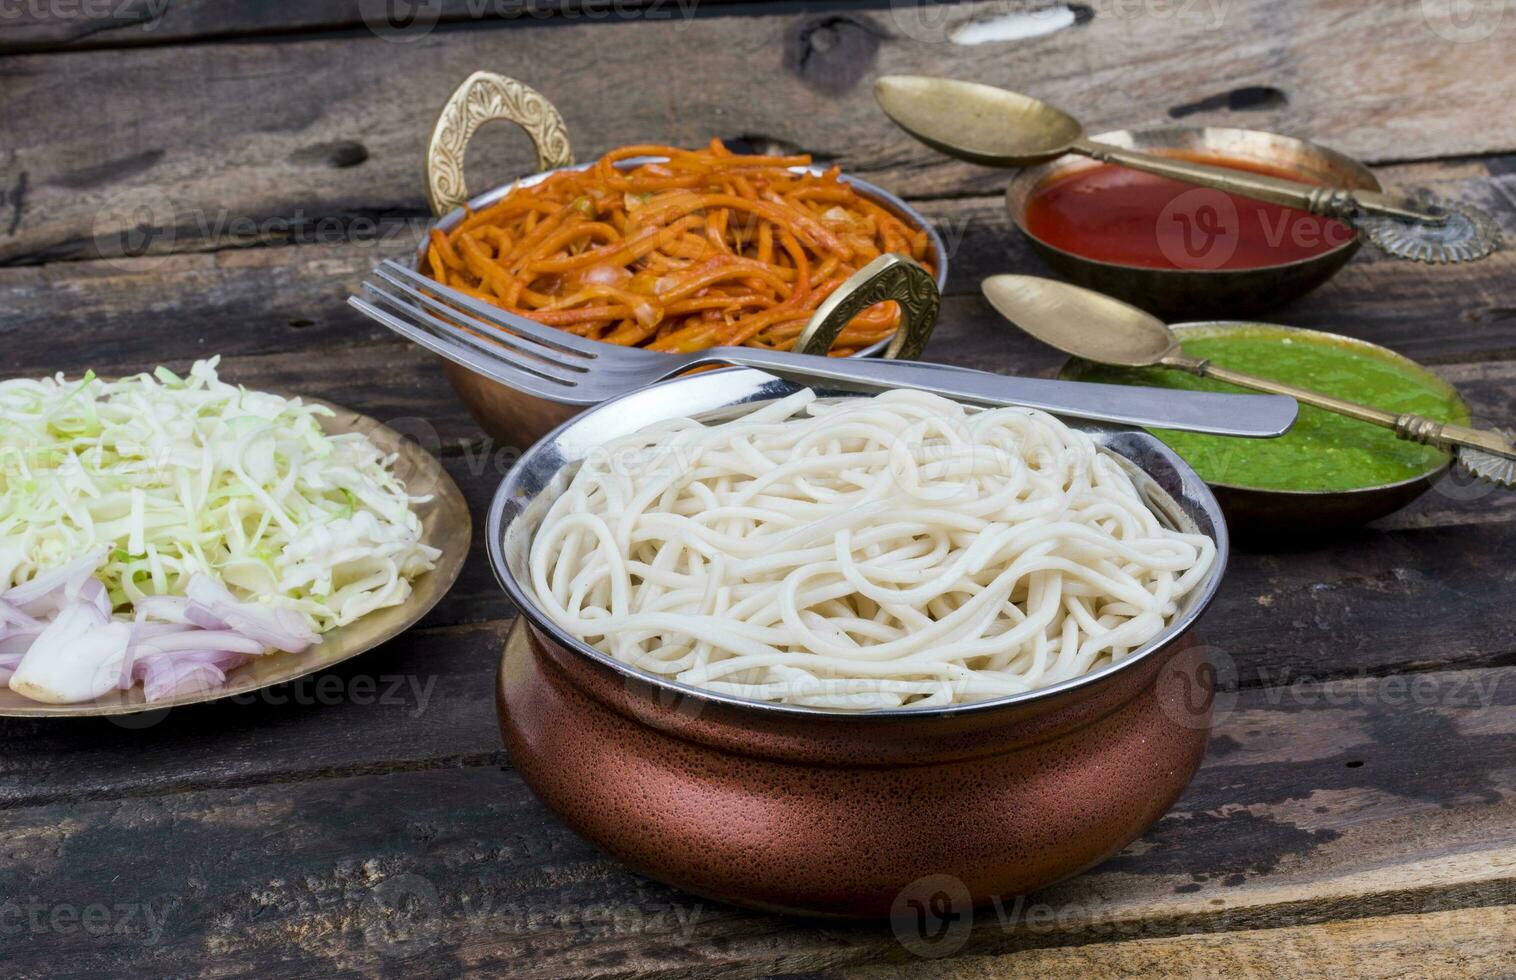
{"type": "Point", "coordinates": [702, 249]}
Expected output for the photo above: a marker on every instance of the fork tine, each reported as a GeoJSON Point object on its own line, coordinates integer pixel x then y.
{"type": "Point", "coordinates": [523, 344]}
{"type": "Point", "coordinates": [497, 319]}
{"type": "Point", "coordinates": [470, 329]}
{"type": "Point", "coordinates": [489, 367]}
{"type": "Point", "coordinates": [568, 375]}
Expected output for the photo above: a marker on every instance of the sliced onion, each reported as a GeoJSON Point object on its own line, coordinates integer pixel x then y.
{"type": "Point", "coordinates": [170, 678]}
{"type": "Point", "coordinates": [11, 616]}
{"type": "Point", "coordinates": [19, 641]}
{"type": "Point", "coordinates": [93, 590]}
{"type": "Point", "coordinates": [606, 274]}
{"type": "Point", "coordinates": [141, 632]}
{"type": "Point", "coordinates": [168, 608]}
{"type": "Point", "coordinates": [8, 664]}
{"type": "Point", "coordinates": [77, 657]}
{"type": "Point", "coordinates": [38, 597]}
{"type": "Point", "coordinates": [146, 631]}
{"type": "Point", "coordinates": [226, 640]}
{"type": "Point", "coordinates": [282, 629]}
{"type": "Point", "coordinates": [203, 618]}
{"type": "Point", "coordinates": [177, 645]}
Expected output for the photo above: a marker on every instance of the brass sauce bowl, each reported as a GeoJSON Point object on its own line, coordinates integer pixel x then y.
{"type": "Point", "coordinates": [1253, 511]}
{"type": "Point", "coordinates": [1200, 292]}
{"type": "Point", "coordinates": [800, 810]}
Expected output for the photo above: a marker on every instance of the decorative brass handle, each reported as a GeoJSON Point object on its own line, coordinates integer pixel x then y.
{"type": "Point", "coordinates": [887, 277]}
{"type": "Point", "coordinates": [485, 97]}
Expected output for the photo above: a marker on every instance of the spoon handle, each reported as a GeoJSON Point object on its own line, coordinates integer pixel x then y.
{"type": "Point", "coordinates": [1414, 428]}
{"type": "Point", "coordinates": [1331, 202]}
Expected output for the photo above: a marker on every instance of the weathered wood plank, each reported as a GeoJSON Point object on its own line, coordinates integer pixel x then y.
{"type": "Point", "coordinates": [423, 701]}
{"type": "Point", "coordinates": [1433, 945]}
{"type": "Point", "coordinates": [93, 24]}
{"type": "Point", "coordinates": [346, 143]}
{"type": "Point", "coordinates": [1315, 804]}
{"type": "Point", "coordinates": [266, 299]}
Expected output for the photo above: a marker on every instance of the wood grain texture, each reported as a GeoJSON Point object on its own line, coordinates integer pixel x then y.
{"type": "Point", "coordinates": [1433, 945]}
{"type": "Point", "coordinates": [162, 161]}
{"type": "Point", "coordinates": [1354, 815]}
{"type": "Point", "coordinates": [1319, 803]}
{"type": "Point", "coordinates": [130, 23]}
{"type": "Point", "coordinates": [265, 299]}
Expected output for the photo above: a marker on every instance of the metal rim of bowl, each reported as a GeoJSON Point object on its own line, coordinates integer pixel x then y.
{"type": "Point", "coordinates": [762, 387]}
{"type": "Point", "coordinates": [1031, 179]}
{"type": "Point", "coordinates": [1230, 326]}
{"type": "Point", "coordinates": [875, 193]}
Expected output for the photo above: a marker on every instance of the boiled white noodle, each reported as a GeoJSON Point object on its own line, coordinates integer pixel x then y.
{"type": "Point", "coordinates": [862, 554]}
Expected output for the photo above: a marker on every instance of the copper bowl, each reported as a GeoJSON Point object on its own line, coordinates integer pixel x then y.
{"type": "Point", "coordinates": [1197, 292]}
{"type": "Point", "coordinates": [514, 418]}
{"type": "Point", "coordinates": [825, 813]}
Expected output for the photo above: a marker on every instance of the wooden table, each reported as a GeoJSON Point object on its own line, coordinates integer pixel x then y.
{"type": "Point", "coordinates": [1356, 813]}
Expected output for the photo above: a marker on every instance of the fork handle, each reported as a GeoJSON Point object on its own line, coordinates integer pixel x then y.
{"type": "Point", "coordinates": [1262, 416]}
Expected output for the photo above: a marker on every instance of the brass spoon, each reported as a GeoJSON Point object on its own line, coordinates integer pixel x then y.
{"type": "Point", "coordinates": [1099, 328]}
{"type": "Point", "coordinates": [997, 128]}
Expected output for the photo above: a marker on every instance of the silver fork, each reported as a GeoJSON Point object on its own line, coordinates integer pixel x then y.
{"type": "Point", "coordinates": [556, 365]}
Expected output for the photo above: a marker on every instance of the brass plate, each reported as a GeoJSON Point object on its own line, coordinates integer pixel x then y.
{"type": "Point", "coordinates": [445, 525]}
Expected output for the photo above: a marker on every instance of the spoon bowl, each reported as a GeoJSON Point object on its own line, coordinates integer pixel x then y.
{"type": "Point", "coordinates": [1087, 324]}
{"type": "Point", "coordinates": [979, 123]}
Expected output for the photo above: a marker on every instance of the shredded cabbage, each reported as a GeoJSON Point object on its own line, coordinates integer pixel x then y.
{"type": "Point", "coordinates": [171, 476]}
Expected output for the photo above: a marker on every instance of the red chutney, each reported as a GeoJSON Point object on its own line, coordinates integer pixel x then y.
{"type": "Point", "coordinates": [1114, 214]}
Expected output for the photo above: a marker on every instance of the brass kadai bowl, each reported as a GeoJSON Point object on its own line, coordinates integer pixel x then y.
{"type": "Point", "coordinates": [1176, 293]}
{"type": "Point", "coordinates": [800, 810]}
{"type": "Point", "coordinates": [1256, 513]}
{"type": "Point", "coordinates": [515, 418]}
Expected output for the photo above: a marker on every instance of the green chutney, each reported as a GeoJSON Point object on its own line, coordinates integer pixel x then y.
{"type": "Point", "coordinates": [1324, 450]}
